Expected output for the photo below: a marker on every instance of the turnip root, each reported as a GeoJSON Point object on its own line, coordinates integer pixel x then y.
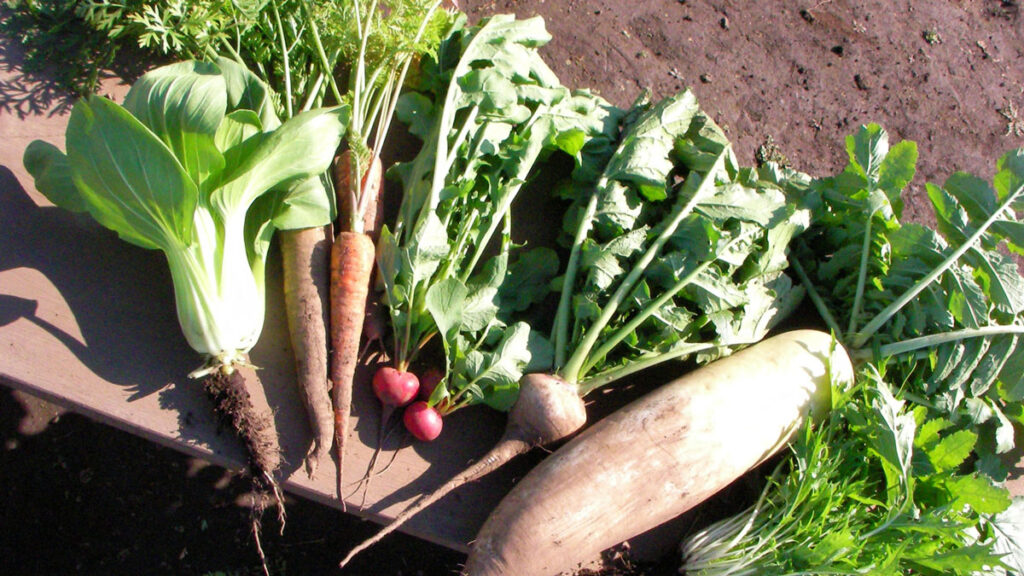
{"type": "Point", "coordinates": [659, 456]}
{"type": "Point", "coordinates": [548, 410]}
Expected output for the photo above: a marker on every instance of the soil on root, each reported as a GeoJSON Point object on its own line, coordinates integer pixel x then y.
{"type": "Point", "coordinates": [234, 406]}
{"type": "Point", "coordinates": [254, 425]}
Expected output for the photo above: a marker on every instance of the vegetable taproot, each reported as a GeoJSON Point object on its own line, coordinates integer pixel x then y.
{"type": "Point", "coordinates": [305, 257]}
{"type": "Point", "coordinates": [389, 37]}
{"type": "Point", "coordinates": [659, 456]}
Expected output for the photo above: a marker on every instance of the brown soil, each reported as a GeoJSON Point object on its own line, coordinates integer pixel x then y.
{"type": "Point", "coordinates": [949, 74]}
{"type": "Point", "coordinates": [234, 404]}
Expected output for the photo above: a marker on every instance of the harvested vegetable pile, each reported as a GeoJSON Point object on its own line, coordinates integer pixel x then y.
{"type": "Point", "coordinates": [673, 251]}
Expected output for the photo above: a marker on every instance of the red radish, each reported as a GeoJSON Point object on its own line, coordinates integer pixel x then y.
{"type": "Point", "coordinates": [428, 381]}
{"type": "Point", "coordinates": [374, 326]}
{"type": "Point", "coordinates": [395, 387]}
{"type": "Point", "coordinates": [422, 421]}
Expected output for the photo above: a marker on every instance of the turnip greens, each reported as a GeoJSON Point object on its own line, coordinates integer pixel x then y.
{"type": "Point", "coordinates": [488, 109]}
{"type": "Point", "coordinates": [675, 251]}
{"type": "Point", "coordinates": [905, 475]}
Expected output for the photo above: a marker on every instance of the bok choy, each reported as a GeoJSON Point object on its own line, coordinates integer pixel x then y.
{"type": "Point", "coordinates": [197, 164]}
{"type": "Point", "coordinates": [185, 166]}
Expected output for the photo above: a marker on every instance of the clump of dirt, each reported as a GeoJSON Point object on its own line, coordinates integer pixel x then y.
{"type": "Point", "coordinates": [234, 405]}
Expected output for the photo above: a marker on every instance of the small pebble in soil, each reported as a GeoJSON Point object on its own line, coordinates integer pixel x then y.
{"type": "Point", "coordinates": [705, 78]}
{"type": "Point", "coordinates": [807, 15]}
{"type": "Point", "coordinates": [931, 37]}
{"type": "Point", "coordinates": [724, 22]}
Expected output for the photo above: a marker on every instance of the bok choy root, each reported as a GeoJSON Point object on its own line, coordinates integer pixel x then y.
{"type": "Point", "coordinates": [191, 165]}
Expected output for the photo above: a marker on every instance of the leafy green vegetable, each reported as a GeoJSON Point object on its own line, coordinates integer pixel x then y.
{"type": "Point", "coordinates": [904, 476]}
{"type": "Point", "coordinates": [875, 489]}
{"type": "Point", "coordinates": [675, 250]}
{"type": "Point", "coordinates": [182, 168]}
{"type": "Point", "coordinates": [488, 109]}
{"type": "Point", "coordinates": [944, 307]}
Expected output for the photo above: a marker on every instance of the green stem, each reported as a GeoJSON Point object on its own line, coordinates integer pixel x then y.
{"type": "Point", "coordinates": [883, 316]}
{"type": "Point", "coordinates": [454, 255]}
{"type": "Point", "coordinates": [653, 306]}
{"type": "Point", "coordinates": [447, 119]}
{"type": "Point", "coordinates": [862, 274]}
{"type": "Point", "coordinates": [560, 333]}
{"type": "Point", "coordinates": [816, 299]}
{"type": "Point", "coordinates": [503, 208]}
{"type": "Point", "coordinates": [388, 93]}
{"type": "Point", "coordinates": [230, 50]}
{"type": "Point", "coordinates": [574, 367]}
{"type": "Point", "coordinates": [644, 362]}
{"type": "Point", "coordinates": [460, 138]}
{"type": "Point", "coordinates": [312, 95]}
{"type": "Point", "coordinates": [287, 96]}
{"type": "Point", "coordinates": [372, 95]}
{"type": "Point", "coordinates": [359, 81]}
{"type": "Point", "coordinates": [406, 63]}
{"type": "Point", "coordinates": [325, 63]}
{"type": "Point", "coordinates": [932, 340]}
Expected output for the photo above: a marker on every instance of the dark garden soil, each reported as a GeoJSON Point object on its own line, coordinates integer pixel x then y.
{"type": "Point", "coordinates": [783, 78]}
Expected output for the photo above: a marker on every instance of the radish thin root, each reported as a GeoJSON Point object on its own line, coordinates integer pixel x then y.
{"type": "Point", "coordinates": [506, 449]}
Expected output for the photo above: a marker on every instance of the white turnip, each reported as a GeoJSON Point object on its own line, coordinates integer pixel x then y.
{"type": "Point", "coordinates": [659, 456]}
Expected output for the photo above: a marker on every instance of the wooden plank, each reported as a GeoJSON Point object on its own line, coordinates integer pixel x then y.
{"type": "Point", "coordinates": [88, 322]}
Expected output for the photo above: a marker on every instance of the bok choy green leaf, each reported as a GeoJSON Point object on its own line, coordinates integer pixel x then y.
{"type": "Point", "coordinates": [195, 164]}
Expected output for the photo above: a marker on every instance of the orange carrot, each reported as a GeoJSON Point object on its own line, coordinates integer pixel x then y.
{"type": "Point", "coordinates": [369, 215]}
{"type": "Point", "coordinates": [352, 259]}
{"type": "Point", "coordinates": [352, 262]}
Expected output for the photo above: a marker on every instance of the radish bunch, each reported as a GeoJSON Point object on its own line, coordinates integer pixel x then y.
{"type": "Point", "coordinates": [399, 389]}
